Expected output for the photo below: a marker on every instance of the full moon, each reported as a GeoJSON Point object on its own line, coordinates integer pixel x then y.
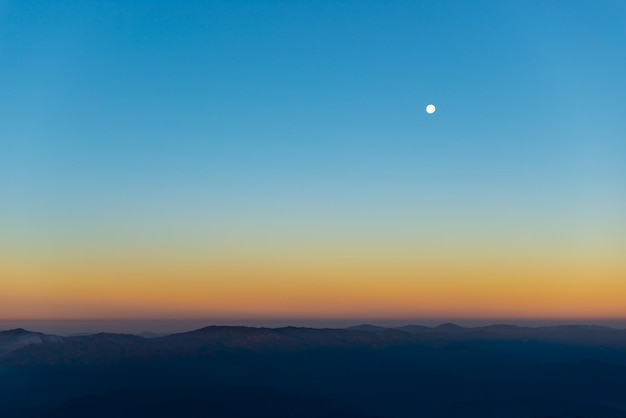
{"type": "Point", "coordinates": [430, 109]}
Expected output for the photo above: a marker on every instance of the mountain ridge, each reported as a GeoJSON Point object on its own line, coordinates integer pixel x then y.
{"type": "Point", "coordinates": [437, 372]}
{"type": "Point", "coordinates": [20, 346]}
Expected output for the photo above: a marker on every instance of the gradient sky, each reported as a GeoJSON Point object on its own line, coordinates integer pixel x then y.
{"type": "Point", "coordinates": [243, 159]}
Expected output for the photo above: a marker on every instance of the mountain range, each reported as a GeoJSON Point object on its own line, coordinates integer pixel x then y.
{"type": "Point", "coordinates": [366, 370]}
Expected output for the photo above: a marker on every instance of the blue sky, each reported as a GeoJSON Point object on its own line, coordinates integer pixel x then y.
{"type": "Point", "coordinates": [300, 115]}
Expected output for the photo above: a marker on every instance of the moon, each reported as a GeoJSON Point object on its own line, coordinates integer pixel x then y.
{"type": "Point", "coordinates": [430, 109]}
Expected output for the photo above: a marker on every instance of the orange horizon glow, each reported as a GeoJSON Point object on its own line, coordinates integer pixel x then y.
{"type": "Point", "coordinates": [328, 287]}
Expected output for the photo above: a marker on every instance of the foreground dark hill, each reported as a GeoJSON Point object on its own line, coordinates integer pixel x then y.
{"type": "Point", "coordinates": [203, 401]}
{"type": "Point", "coordinates": [413, 371]}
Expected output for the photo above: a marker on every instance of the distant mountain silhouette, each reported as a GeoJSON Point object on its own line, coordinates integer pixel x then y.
{"type": "Point", "coordinates": [366, 328]}
{"type": "Point", "coordinates": [21, 347]}
{"type": "Point", "coordinates": [407, 372]}
{"type": "Point", "coordinates": [414, 329]}
{"type": "Point", "coordinates": [449, 327]}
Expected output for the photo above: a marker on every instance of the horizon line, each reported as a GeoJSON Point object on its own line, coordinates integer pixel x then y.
{"type": "Point", "coordinates": [68, 327]}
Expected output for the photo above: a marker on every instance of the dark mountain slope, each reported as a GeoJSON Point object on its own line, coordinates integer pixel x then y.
{"type": "Point", "coordinates": [16, 339]}
{"type": "Point", "coordinates": [204, 401]}
{"type": "Point", "coordinates": [436, 372]}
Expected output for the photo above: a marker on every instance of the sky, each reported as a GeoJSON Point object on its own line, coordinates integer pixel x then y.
{"type": "Point", "coordinates": [245, 160]}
